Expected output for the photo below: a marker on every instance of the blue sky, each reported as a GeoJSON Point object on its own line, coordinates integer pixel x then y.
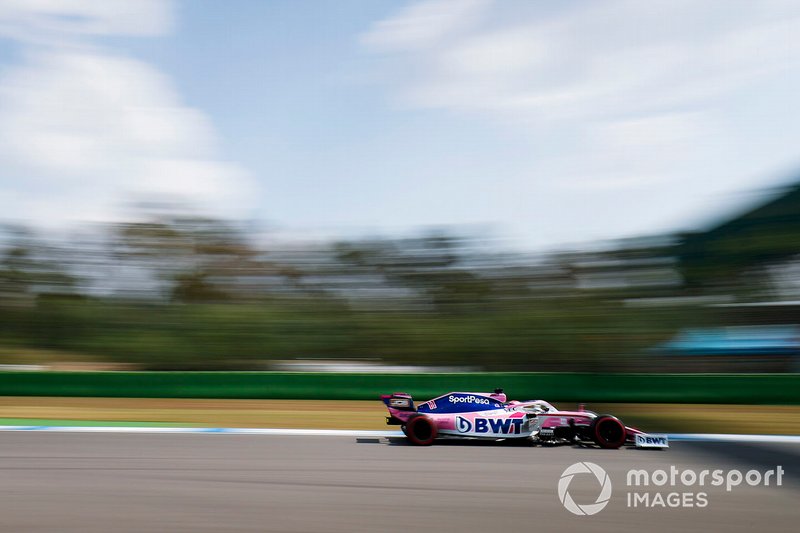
{"type": "Point", "coordinates": [544, 123]}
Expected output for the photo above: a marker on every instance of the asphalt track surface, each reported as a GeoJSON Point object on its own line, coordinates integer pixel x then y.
{"type": "Point", "coordinates": [73, 482]}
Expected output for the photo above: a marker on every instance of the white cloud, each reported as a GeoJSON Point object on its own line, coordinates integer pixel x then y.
{"type": "Point", "coordinates": [84, 130]}
{"type": "Point", "coordinates": [424, 24]}
{"type": "Point", "coordinates": [602, 59]}
{"type": "Point", "coordinates": [623, 80]}
{"type": "Point", "coordinates": [57, 20]}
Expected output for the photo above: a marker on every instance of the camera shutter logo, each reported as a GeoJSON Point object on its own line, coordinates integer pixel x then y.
{"type": "Point", "coordinates": [602, 498]}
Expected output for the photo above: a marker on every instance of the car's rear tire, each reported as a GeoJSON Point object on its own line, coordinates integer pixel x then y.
{"type": "Point", "coordinates": [421, 430]}
{"type": "Point", "coordinates": [608, 432]}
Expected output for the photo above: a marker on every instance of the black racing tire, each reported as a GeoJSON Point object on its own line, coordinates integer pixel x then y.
{"type": "Point", "coordinates": [608, 432]}
{"type": "Point", "coordinates": [421, 430]}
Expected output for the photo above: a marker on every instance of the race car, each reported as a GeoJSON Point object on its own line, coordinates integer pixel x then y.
{"type": "Point", "coordinates": [479, 415]}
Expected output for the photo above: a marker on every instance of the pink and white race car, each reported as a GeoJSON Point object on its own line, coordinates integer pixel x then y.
{"type": "Point", "coordinates": [478, 415]}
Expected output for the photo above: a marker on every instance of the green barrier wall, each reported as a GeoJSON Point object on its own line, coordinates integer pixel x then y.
{"type": "Point", "coordinates": [658, 388]}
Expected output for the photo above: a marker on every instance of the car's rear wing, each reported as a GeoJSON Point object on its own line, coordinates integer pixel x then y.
{"type": "Point", "coordinates": [399, 401]}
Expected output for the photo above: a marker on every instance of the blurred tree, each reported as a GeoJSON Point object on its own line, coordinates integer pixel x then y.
{"type": "Point", "coordinates": [28, 267]}
{"type": "Point", "coordinates": [173, 290]}
{"type": "Point", "coordinates": [198, 259]}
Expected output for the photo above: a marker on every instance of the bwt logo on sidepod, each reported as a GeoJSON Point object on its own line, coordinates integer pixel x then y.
{"type": "Point", "coordinates": [463, 425]}
{"type": "Point", "coordinates": [502, 426]}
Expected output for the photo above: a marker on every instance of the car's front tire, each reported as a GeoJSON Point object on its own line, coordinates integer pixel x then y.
{"type": "Point", "coordinates": [420, 430]}
{"type": "Point", "coordinates": [608, 431]}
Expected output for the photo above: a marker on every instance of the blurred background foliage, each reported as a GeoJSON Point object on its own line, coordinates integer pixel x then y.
{"type": "Point", "coordinates": [176, 291]}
